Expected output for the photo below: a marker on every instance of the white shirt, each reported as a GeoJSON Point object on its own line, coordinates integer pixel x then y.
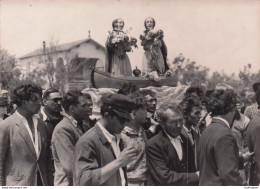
{"type": "Point", "coordinates": [35, 118]}
{"type": "Point", "coordinates": [114, 141]}
{"type": "Point", "coordinates": [176, 142]}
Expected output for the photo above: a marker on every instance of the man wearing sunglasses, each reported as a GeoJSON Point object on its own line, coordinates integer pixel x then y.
{"type": "Point", "coordinates": [99, 155]}
{"type": "Point", "coordinates": [23, 141]}
{"type": "Point", "coordinates": [51, 115]}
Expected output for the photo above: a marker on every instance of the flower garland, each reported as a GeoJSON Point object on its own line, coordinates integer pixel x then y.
{"type": "Point", "coordinates": [155, 36]}
{"type": "Point", "coordinates": [120, 42]}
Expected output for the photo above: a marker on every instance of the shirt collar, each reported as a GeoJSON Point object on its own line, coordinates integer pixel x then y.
{"type": "Point", "coordinates": [225, 121]}
{"type": "Point", "coordinates": [130, 131]}
{"type": "Point", "coordinates": [108, 136]}
{"type": "Point", "coordinates": [73, 121]}
{"type": "Point", "coordinates": [35, 116]}
{"type": "Point", "coordinates": [173, 139]}
{"type": "Point", "coordinates": [186, 129]}
{"type": "Point", "coordinates": [44, 116]}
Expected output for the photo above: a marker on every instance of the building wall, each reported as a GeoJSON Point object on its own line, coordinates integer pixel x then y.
{"type": "Point", "coordinates": [85, 50]}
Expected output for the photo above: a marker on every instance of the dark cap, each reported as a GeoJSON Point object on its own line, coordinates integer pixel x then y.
{"type": "Point", "coordinates": [256, 85]}
{"type": "Point", "coordinates": [120, 104]}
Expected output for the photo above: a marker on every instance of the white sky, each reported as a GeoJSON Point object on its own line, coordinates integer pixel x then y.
{"type": "Point", "coordinates": [223, 35]}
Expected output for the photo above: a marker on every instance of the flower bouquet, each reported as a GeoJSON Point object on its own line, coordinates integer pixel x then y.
{"type": "Point", "coordinates": [155, 36]}
{"type": "Point", "coordinates": [120, 42]}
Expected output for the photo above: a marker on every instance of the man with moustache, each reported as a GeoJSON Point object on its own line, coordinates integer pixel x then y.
{"type": "Point", "coordinates": [99, 155]}
{"type": "Point", "coordinates": [66, 134]}
{"type": "Point", "coordinates": [151, 125]}
{"type": "Point", "coordinates": [168, 153]}
{"type": "Point", "coordinates": [23, 141]}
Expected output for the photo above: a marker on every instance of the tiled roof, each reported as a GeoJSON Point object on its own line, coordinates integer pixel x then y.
{"type": "Point", "coordinates": [63, 47]}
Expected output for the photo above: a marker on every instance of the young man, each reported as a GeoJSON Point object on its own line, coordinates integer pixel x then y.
{"type": "Point", "coordinates": [99, 159]}
{"type": "Point", "coordinates": [137, 170]}
{"type": "Point", "coordinates": [253, 141]}
{"type": "Point", "coordinates": [168, 153]}
{"type": "Point", "coordinates": [191, 109]}
{"type": "Point", "coordinates": [219, 159]}
{"type": "Point", "coordinates": [253, 109]}
{"type": "Point", "coordinates": [66, 134]}
{"type": "Point", "coordinates": [23, 141]}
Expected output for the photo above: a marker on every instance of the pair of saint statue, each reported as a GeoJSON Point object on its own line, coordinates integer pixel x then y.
{"type": "Point", "coordinates": [118, 44]}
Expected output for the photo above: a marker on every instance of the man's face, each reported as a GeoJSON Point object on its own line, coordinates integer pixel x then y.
{"type": "Point", "coordinates": [140, 115]}
{"type": "Point", "coordinates": [173, 124]}
{"type": "Point", "coordinates": [3, 110]}
{"type": "Point", "coordinates": [194, 116]}
{"type": "Point", "coordinates": [33, 105]}
{"type": "Point", "coordinates": [116, 124]}
{"type": "Point", "coordinates": [53, 102]}
{"type": "Point", "coordinates": [82, 109]}
{"type": "Point", "coordinates": [151, 103]}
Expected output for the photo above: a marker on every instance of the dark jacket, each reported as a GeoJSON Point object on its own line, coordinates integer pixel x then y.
{"type": "Point", "coordinates": [193, 154]}
{"type": "Point", "coordinates": [219, 156]}
{"type": "Point", "coordinates": [165, 166]}
{"type": "Point", "coordinates": [93, 151]}
{"type": "Point", "coordinates": [18, 160]}
{"type": "Point", "coordinates": [253, 142]}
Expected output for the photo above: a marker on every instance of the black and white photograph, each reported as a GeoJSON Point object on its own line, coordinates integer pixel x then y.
{"type": "Point", "coordinates": [129, 93]}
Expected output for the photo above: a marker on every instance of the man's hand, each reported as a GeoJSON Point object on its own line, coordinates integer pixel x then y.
{"type": "Point", "coordinates": [127, 155]}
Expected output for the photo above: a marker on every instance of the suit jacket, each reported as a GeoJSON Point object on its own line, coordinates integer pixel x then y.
{"type": "Point", "coordinates": [195, 146]}
{"type": "Point", "coordinates": [64, 139]}
{"type": "Point", "coordinates": [165, 166]}
{"type": "Point", "coordinates": [219, 156]}
{"type": "Point", "coordinates": [93, 151]}
{"type": "Point", "coordinates": [18, 159]}
{"type": "Point", "coordinates": [253, 142]}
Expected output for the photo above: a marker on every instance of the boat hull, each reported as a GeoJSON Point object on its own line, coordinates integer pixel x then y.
{"type": "Point", "coordinates": [101, 79]}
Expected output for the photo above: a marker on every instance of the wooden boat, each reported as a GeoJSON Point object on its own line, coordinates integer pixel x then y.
{"type": "Point", "coordinates": [101, 79]}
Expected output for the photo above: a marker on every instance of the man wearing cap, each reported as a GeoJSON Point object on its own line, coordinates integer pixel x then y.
{"type": "Point", "coordinates": [253, 109]}
{"type": "Point", "coordinates": [99, 159]}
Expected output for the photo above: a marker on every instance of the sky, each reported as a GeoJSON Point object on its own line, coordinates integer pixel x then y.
{"type": "Point", "coordinates": [223, 35]}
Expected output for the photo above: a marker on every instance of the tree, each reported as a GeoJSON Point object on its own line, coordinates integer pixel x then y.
{"type": "Point", "coordinates": [9, 73]}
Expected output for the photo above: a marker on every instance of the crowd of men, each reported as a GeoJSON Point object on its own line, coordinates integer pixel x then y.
{"type": "Point", "coordinates": [50, 140]}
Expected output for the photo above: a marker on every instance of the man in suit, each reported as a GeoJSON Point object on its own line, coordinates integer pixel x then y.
{"type": "Point", "coordinates": [169, 152]}
{"type": "Point", "coordinates": [23, 142]}
{"type": "Point", "coordinates": [219, 159]}
{"type": "Point", "coordinates": [191, 109]}
{"type": "Point", "coordinates": [253, 142]}
{"type": "Point", "coordinates": [67, 133]}
{"type": "Point", "coordinates": [99, 155]}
